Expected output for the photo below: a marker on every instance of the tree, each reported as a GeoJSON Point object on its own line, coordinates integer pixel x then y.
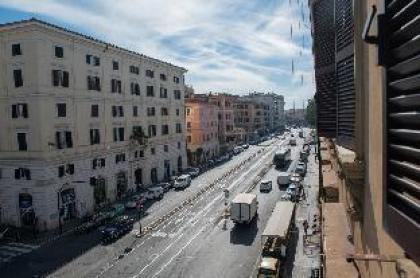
{"type": "Point", "coordinates": [311, 113]}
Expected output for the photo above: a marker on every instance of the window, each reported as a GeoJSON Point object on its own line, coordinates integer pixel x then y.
{"type": "Point", "coordinates": [165, 148]}
{"type": "Point", "coordinates": [188, 111]}
{"type": "Point", "coordinates": [98, 163]}
{"type": "Point", "coordinates": [93, 83]}
{"type": "Point", "coordinates": [96, 61]}
{"type": "Point", "coordinates": [150, 92]}
{"type": "Point", "coordinates": [150, 111]}
{"type": "Point", "coordinates": [177, 94]}
{"type": "Point", "coordinates": [151, 130]}
{"type": "Point", "coordinates": [137, 129]}
{"type": "Point", "coordinates": [189, 139]}
{"type": "Point", "coordinates": [63, 139]}
{"type": "Point", "coordinates": [135, 111]}
{"type": "Point", "coordinates": [188, 125]}
{"type": "Point", "coordinates": [21, 173]}
{"type": "Point", "coordinates": [16, 50]}
{"type": "Point", "coordinates": [95, 137]}
{"type": "Point", "coordinates": [118, 134]}
{"type": "Point", "coordinates": [59, 52]}
{"type": "Point", "coordinates": [164, 111]}
{"type": "Point", "coordinates": [94, 110]}
{"type": "Point", "coordinates": [119, 158]}
{"type": "Point", "coordinates": [60, 78]}
{"type": "Point", "coordinates": [163, 92]}
{"type": "Point", "coordinates": [134, 69]}
{"type": "Point", "coordinates": [178, 128]}
{"type": "Point", "coordinates": [88, 59]}
{"type": "Point", "coordinates": [152, 150]}
{"type": "Point", "coordinates": [64, 170]}
{"type": "Point", "coordinates": [17, 76]}
{"type": "Point", "coordinates": [177, 111]}
{"type": "Point", "coordinates": [115, 65]}
{"type": "Point", "coordinates": [61, 110]}
{"type": "Point", "coordinates": [150, 73]}
{"type": "Point", "coordinates": [165, 129]}
{"type": "Point", "coordinates": [19, 110]}
{"type": "Point", "coordinates": [115, 86]}
{"type": "Point", "coordinates": [22, 144]}
{"type": "Point", "coordinates": [162, 77]}
{"type": "Point", "coordinates": [179, 145]}
{"type": "Point", "coordinates": [135, 88]}
{"type": "Point", "coordinates": [176, 79]}
{"type": "Point", "coordinates": [117, 111]}
{"type": "Point", "coordinates": [141, 154]}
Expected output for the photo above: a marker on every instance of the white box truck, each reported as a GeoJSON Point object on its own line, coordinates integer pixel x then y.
{"type": "Point", "coordinates": [283, 179]}
{"type": "Point", "coordinates": [243, 208]}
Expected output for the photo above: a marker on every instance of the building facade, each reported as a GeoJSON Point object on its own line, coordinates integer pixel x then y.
{"type": "Point", "coordinates": [249, 115]}
{"type": "Point", "coordinates": [224, 103]}
{"type": "Point", "coordinates": [202, 125]}
{"type": "Point", "coordinates": [367, 106]}
{"type": "Point", "coordinates": [84, 122]}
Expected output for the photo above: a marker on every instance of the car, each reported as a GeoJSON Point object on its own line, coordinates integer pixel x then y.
{"type": "Point", "coordinates": [245, 146]}
{"type": "Point", "coordinates": [210, 163]}
{"type": "Point", "coordinates": [114, 210]}
{"type": "Point", "coordinates": [266, 186]}
{"type": "Point", "coordinates": [155, 192]}
{"type": "Point", "coordinates": [291, 193]}
{"type": "Point", "coordinates": [301, 169]}
{"type": "Point", "coordinates": [193, 172]}
{"type": "Point", "coordinates": [134, 202]}
{"type": "Point", "coordinates": [117, 228]}
{"type": "Point", "coordinates": [172, 180]}
{"type": "Point", "coordinates": [165, 185]}
{"type": "Point", "coordinates": [182, 181]}
{"type": "Point", "coordinates": [237, 150]}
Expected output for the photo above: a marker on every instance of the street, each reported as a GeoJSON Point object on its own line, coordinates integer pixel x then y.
{"type": "Point", "coordinates": [195, 241]}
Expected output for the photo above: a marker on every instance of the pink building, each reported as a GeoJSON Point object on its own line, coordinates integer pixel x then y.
{"type": "Point", "coordinates": [202, 129]}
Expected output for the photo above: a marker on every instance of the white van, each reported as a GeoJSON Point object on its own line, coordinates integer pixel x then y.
{"type": "Point", "coordinates": [182, 181]}
{"type": "Point", "coordinates": [283, 179]}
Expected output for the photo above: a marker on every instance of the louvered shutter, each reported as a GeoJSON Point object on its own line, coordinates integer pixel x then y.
{"type": "Point", "coordinates": [402, 60]}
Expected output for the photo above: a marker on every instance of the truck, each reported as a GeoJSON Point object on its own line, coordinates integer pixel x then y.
{"type": "Point", "coordinates": [282, 157]}
{"type": "Point", "coordinates": [243, 208]}
{"type": "Point", "coordinates": [275, 239]}
{"type": "Point", "coordinates": [283, 179]}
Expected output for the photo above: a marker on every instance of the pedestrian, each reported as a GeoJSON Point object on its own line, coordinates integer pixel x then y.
{"type": "Point", "coordinates": [305, 227]}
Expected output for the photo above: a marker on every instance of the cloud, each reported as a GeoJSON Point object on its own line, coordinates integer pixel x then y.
{"type": "Point", "coordinates": [227, 45]}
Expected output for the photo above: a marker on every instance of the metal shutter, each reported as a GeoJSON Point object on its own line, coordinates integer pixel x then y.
{"type": "Point", "coordinates": [402, 59]}
{"type": "Point", "coordinates": [324, 53]}
{"type": "Point", "coordinates": [345, 73]}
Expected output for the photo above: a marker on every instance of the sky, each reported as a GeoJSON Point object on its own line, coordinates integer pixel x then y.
{"type": "Point", "coordinates": [232, 46]}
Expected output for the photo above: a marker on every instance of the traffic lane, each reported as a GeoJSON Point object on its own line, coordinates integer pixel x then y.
{"type": "Point", "coordinates": [198, 222]}
{"type": "Point", "coordinates": [115, 250]}
{"type": "Point", "coordinates": [229, 252]}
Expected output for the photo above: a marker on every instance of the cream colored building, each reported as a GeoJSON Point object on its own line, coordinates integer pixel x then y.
{"type": "Point", "coordinates": [69, 105]}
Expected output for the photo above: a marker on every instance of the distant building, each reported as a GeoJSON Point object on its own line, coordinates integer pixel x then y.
{"type": "Point", "coordinates": [249, 115]}
{"type": "Point", "coordinates": [83, 123]}
{"type": "Point", "coordinates": [295, 116]}
{"type": "Point", "coordinates": [202, 129]}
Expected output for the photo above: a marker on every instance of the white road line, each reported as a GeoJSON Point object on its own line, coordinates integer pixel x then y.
{"type": "Point", "coordinates": [180, 250]}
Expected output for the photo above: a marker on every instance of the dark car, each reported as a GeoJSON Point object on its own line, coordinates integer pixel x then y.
{"type": "Point", "coordinates": [119, 227]}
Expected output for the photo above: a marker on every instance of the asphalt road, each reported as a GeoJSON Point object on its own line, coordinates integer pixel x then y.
{"type": "Point", "coordinates": [195, 241]}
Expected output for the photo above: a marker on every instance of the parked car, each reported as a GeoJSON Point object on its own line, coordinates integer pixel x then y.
{"type": "Point", "coordinates": [117, 228]}
{"type": "Point", "coordinates": [155, 192]}
{"type": "Point", "coordinates": [114, 210]}
{"type": "Point", "coordinates": [301, 168]}
{"type": "Point", "coordinates": [193, 172]}
{"type": "Point", "coordinates": [266, 186]}
{"type": "Point", "coordinates": [291, 193]}
{"type": "Point", "coordinates": [245, 146]}
{"type": "Point", "coordinates": [283, 179]}
{"type": "Point", "coordinates": [182, 181]}
{"type": "Point", "coordinates": [237, 150]}
{"type": "Point", "coordinates": [210, 163]}
{"type": "Point", "coordinates": [172, 180]}
{"type": "Point", "coordinates": [165, 185]}
{"type": "Point", "coordinates": [135, 201]}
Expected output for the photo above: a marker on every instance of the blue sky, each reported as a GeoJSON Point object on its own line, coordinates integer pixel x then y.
{"type": "Point", "coordinates": [234, 46]}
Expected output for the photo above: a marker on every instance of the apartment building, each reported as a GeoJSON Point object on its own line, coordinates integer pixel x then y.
{"type": "Point", "coordinates": [273, 105]}
{"type": "Point", "coordinates": [249, 115]}
{"type": "Point", "coordinates": [202, 126]}
{"type": "Point", "coordinates": [83, 122]}
{"type": "Point", "coordinates": [366, 67]}
{"type": "Point", "coordinates": [226, 119]}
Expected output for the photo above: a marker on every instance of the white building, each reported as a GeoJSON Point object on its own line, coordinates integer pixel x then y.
{"type": "Point", "coordinates": [69, 105]}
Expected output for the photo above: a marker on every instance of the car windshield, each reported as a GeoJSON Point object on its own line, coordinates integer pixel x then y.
{"type": "Point", "coordinates": [266, 271]}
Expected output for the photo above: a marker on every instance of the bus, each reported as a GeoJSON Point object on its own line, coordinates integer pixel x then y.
{"type": "Point", "coordinates": [282, 157]}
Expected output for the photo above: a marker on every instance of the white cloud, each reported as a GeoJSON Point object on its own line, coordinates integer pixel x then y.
{"type": "Point", "coordinates": [247, 43]}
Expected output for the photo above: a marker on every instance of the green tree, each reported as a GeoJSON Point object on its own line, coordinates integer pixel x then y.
{"type": "Point", "coordinates": [311, 112]}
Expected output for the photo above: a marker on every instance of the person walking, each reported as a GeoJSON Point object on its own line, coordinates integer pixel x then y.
{"type": "Point", "coordinates": [305, 227]}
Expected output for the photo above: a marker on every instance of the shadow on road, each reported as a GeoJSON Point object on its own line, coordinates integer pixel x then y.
{"type": "Point", "coordinates": [287, 267]}
{"type": "Point", "coordinates": [244, 234]}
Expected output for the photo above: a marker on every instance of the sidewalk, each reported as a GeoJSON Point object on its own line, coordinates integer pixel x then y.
{"type": "Point", "coordinates": [307, 260]}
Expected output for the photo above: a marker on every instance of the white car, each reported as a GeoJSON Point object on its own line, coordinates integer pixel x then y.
{"type": "Point", "coordinates": [155, 193]}
{"type": "Point", "coordinates": [182, 181]}
{"type": "Point", "coordinates": [266, 186]}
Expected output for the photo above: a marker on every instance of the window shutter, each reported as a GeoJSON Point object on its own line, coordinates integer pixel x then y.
{"type": "Point", "coordinates": [114, 111]}
{"type": "Point", "coordinates": [14, 111]}
{"type": "Point", "coordinates": [94, 163]}
{"type": "Point", "coordinates": [65, 79]}
{"type": "Point", "coordinates": [91, 137]}
{"type": "Point", "coordinates": [27, 173]}
{"type": "Point", "coordinates": [402, 59]}
{"type": "Point", "coordinates": [58, 140]}
{"type": "Point", "coordinates": [55, 78]}
{"type": "Point", "coordinates": [97, 83]}
{"type": "Point", "coordinates": [102, 162]}
{"type": "Point", "coordinates": [115, 134]}
{"type": "Point", "coordinates": [60, 171]}
{"type": "Point", "coordinates": [17, 174]}
{"type": "Point", "coordinates": [121, 133]}
{"type": "Point", "coordinates": [70, 169]}
{"type": "Point", "coordinates": [25, 110]}
{"type": "Point", "coordinates": [69, 140]}
{"type": "Point", "coordinates": [89, 83]}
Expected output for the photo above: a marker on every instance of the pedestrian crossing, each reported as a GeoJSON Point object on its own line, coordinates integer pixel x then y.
{"type": "Point", "coordinates": [10, 250]}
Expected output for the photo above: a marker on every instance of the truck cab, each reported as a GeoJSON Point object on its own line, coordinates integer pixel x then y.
{"type": "Point", "coordinates": [268, 268]}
